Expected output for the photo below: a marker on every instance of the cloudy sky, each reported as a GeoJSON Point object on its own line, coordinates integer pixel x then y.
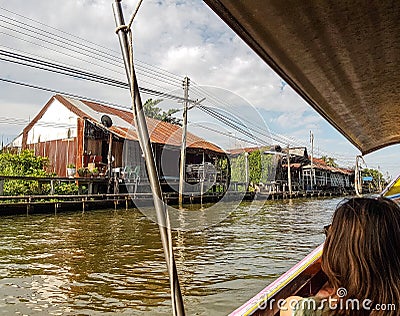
{"type": "Point", "coordinates": [173, 39]}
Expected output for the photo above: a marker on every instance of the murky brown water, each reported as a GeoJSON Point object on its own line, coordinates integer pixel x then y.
{"type": "Point", "coordinates": [106, 262]}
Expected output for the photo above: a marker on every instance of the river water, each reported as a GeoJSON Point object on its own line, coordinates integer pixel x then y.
{"type": "Point", "coordinates": [111, 262]}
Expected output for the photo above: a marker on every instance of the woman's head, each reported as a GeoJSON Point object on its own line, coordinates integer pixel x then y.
{"type": "Point", "coordinates": [362, 249]}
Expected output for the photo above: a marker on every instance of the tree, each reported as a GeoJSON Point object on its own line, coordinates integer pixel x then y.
{"type": "Point", "coordinates": [330, 161]}
{"type": "Point", "coordinates": [377, 177]}
{"type": "Point", "coordinates": [152, 110]}
{"type": "Point", "coordinates": [261, 167]}
{"type": "Point", "coordinates": [27, 164]}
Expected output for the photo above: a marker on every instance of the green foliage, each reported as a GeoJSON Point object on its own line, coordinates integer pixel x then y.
{"type": "Point", "coordinates": [330, 161]}
{"type": "Point", "coordinates": [222, 164]}
{"type": "Point", "coordinates": [66, 189]}
{"type": "Point", "coordinates": [22, 164]}
{"type": "Point", "coordinates": [28, 165]}
{"type": "Point", "coordinates": [260, 167]}
{"type": "Point", "coordinates": [82, 172]}
{"type": "Point", "coordinates": [377, 177]}
{"type": "Point", "coordinates": [152, 110]}
{"type": "Point", "coordinates": [238, 171]}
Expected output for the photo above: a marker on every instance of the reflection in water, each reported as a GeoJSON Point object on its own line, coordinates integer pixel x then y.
{"type": "Point", "coordinates": [112, 261]}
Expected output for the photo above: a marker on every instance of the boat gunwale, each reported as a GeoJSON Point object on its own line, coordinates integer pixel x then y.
{"type": "Point", "coordinates": [272, 289]}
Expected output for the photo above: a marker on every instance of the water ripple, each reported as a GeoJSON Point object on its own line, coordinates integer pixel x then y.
{"type": "Point", "coordinates": [112, 261]}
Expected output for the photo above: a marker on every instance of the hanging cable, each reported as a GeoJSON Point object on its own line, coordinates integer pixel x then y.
{"type": "Point", "coordinates": [98, 47]}
{"type": "Point", "coordinates": [69, 42]}
{"type": "Point", "coordinates": [78, 73]}
{"type": "Point", "coordinates": [89, 54]}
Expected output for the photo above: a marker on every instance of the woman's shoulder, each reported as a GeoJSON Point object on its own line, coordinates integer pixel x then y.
{"type": "Point", "coordinates": [302, 306]}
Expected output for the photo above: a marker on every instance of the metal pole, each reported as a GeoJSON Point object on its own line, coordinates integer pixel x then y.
{"type": "Point", "coordinates": [312, 155]}
{"type": "Point", "coordinates": [145, 144]}
{"type": "Point", "coordinates": [183, 146]}
{"type": "Point", "coordinates": [288, 170]}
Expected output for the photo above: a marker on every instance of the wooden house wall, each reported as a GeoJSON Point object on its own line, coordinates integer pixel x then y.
{"type": "Point", "coordinates": [60, 153]}
{"type": "Point", "coordinates": [93, 147]}
{"type": "Point", "coordinates": [117, 149]}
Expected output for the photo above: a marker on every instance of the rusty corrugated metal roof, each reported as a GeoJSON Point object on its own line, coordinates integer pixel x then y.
{"type": "Point", "coordinates": [160, 132]}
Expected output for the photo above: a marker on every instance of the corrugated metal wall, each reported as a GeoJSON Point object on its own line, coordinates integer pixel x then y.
{"type": "Point", "coordinates": [60, 153]}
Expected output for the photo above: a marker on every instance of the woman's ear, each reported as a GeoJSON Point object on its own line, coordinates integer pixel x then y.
{"type": "Point", "coordinates": [288, 308]}
{"type": "Point", "coordinates": [326, 291]}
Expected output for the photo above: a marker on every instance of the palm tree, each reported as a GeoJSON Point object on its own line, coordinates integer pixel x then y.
{"type": "Point", "coordinates": [151, 109]}
{"type": "Point", "coordinates": [329, 161]}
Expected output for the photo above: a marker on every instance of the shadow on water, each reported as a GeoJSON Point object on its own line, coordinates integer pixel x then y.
{"type": "Point", "coordinates": [112, 261]}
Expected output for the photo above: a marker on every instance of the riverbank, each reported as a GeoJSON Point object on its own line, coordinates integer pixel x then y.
{"type": "Point", "coordinates": [42, 204]}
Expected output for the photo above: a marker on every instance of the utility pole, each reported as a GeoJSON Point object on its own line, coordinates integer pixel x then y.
{"type": "Point", "coordinates": [202, 179]}
{"type": "Point", "coordinates": [183, 146]}
{"type": "Point", "coordinates": [289, 176]}
{"type": "Point", "coordinates": [357, 176]}
{"type": "Point", "coordinates": [312, 155]}
{"type": "Point", "coordinates": [246, 161]}
{"type": "Point", "coordinates": [379, 180]}
{"type": "Point", "coordinates": [109, 162]}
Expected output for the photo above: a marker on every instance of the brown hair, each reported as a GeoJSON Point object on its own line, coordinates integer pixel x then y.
{"type": "Point", "coordinates": [362, 254]}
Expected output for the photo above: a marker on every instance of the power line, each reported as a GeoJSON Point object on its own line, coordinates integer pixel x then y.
{"type": "Point", "coordinates": [82, 46]}
{"type": "Point", "coordinates": [88, 41]}
{"type": "Point", "coordinates": [154, 76]}
{"type": "Point", "coordinates": [72, 95]}
{"type": "Point", "coordinates": [273, 136]}
{"type": "Point", "coordinates": [78, 73]}
{"type": "Point", "coordinates": [224, 134]}
{"type": "Point", "coordinates": [60, 52]}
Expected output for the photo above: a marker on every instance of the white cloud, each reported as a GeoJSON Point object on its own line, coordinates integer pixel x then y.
{"type": "Point", "coordinates": [295, 120]}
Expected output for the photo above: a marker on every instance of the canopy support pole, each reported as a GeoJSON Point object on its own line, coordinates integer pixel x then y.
{"type": "Point", "coordinates": [144, 140]}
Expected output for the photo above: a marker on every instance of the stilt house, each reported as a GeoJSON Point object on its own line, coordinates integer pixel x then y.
{"type": "Point", "coordinates": [70, 131]}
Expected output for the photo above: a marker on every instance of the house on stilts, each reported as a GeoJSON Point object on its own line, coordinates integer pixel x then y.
{"type": "Point", "coordinates": [70, 131]}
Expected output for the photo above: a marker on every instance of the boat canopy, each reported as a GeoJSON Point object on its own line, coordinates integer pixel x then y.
{"type": "Point", "coordinates": [342, 57]}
